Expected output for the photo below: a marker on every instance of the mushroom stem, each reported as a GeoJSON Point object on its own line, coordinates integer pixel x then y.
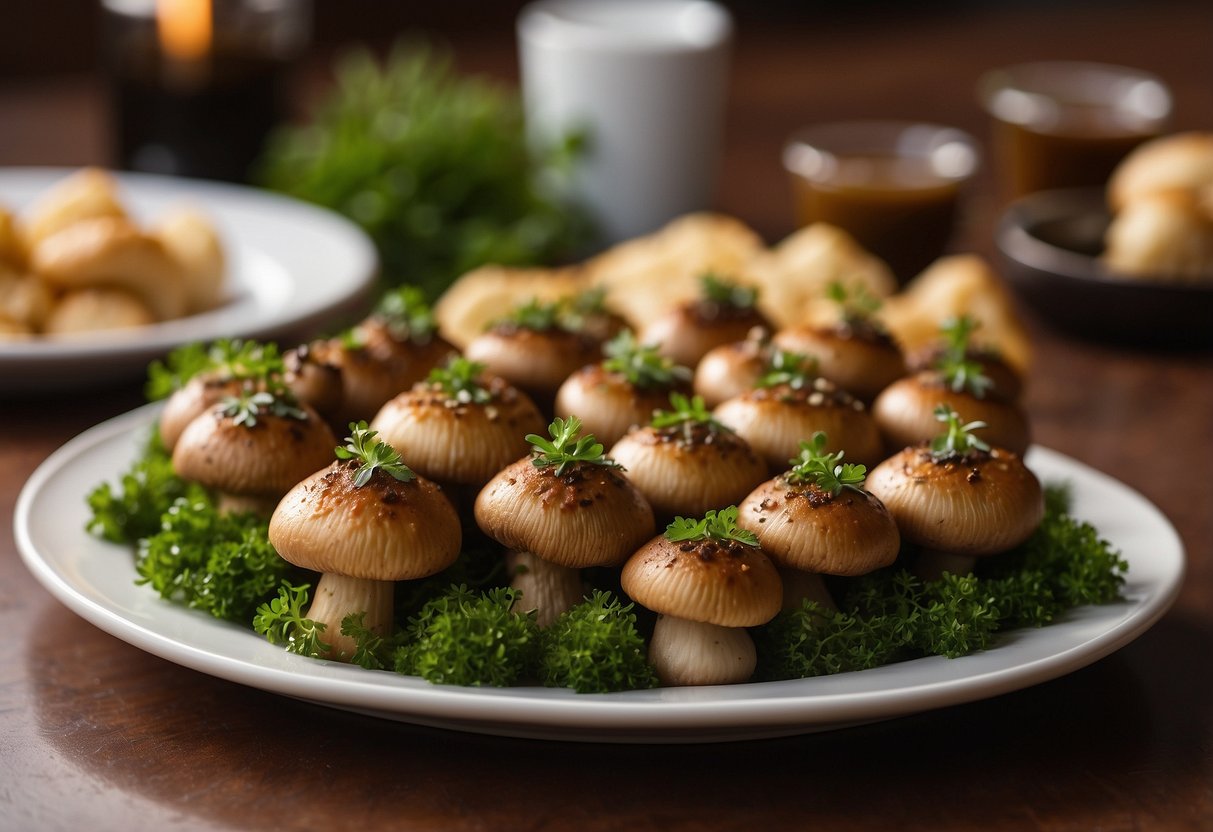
{"type": "Point", "coordinates": [546, 587]}
{"type": "Point", "coordinates": [693, 653]}
{"type": "Point", "coordinates": [932, 564]}
{"type": "Point", "coordinates": [337, 596]}
{"type": "Point", "coordinates": [800, 586]}
{"type": "Point", "coordinates": [245, 504]}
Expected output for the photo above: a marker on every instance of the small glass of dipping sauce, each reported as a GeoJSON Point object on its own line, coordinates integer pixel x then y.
{"type": "Point", "coordinates": [1067, 124]}
{"type": "Point", "coordinates": [894, 186]}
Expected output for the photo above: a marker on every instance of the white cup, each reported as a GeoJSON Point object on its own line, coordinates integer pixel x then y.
{"type": "Point", "coordinates": [646, 80]}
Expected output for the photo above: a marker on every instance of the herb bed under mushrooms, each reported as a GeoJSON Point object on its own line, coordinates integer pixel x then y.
{"type": "Point", "coordinates": [464, 626]}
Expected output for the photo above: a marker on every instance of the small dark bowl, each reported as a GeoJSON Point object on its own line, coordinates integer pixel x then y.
{"type": "Point", "coordinates": [1050, 244]}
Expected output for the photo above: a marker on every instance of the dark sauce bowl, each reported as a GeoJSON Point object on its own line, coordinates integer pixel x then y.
{"type": "Point", "coordinates": [1050, 245]}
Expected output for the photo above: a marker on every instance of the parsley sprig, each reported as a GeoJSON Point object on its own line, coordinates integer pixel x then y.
{"type": "Point", "coordinates": [407, 315]}
{"type": "Point", "coordinates": [227, 359]}
{"type": "Point", "coordinates": [374, 454]}
{"type": "Point", "coordinates": [715, 525]}
{"type": "Point", "coordinates": [715, 289]}
{"type": "Point", "coordinates": [641, 364]}
{"type": "Point", "coordinates": [857, 305]}
{"type": "Point", "coordinates": [537, 315]}
{"type": "Point", "coordinates": [282, 621]}
{"type": "Point", "coordinates": [567, 448]}
{"type": "Point", "coordinates": [687, 413]}
{"type": "Point", "coordinates": [460, 380]}
{"type": "Point", "coordinates": [960, 372]}
{"type": "Point", "coordinates": [957, 440]}
{"type": "Point", "coordinates": [791, 368]}
{"type": "Point", "coordinates": [827, 471]}
{"type": "Point", "coordinates": [249, 405]}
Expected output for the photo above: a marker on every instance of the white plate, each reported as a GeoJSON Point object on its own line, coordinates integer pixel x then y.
{"type": "Point", "coordinates": [292, 268]}
{"type": "Point", "coordinates": [96, 580]}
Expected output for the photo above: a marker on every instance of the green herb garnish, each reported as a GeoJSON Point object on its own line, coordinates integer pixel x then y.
{"type": "Point", "coordinates": [793, 369]}
{"type": "Point", "coordinates": [434, 166]}
{"type": "Point", "coordinates": [566, 447]}
{"type": "Point", "coordinates": [959, 371]}
{"type": "Point", "coordinates": [595, 648]}
{"type": "Point", "coordinates": [406, 314]}
{"type": "Point", "coordinates": [245, 407]}
{"type": "Point", "coordinates": [958, 440]}
{"type": "Point", "coordinates": [715, 525]}
{"type": "Point", "coordinates": [827, 471]}
{"type": "Point", "coordinates": [715, 289]}
{"type": "Point", "coordinates": [282, 621]}
{"type": "Point", "coordinates": [374, 454]}
{"type": "Point", "coordinates": [687, 413]}
{"type": "Point", "coordinates": [641, 364]}
{"type": "Point", "coordinates": [856, 305]}
{"type": "Point", "coordinates": [227, 359]}
{"type": "Point", "coordinates": [460, 381]}
{"type": "Point", "coordinates": [465, 638]}
{"type": "Point", "coordinates": [536, 315]}
{"type": "Point", "coordinates": [220, 563]}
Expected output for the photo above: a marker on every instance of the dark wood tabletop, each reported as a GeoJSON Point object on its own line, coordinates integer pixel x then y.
{"type": "Point", "coordinates": [97, 734]}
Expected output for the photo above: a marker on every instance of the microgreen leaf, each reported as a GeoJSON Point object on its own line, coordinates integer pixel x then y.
{"type": "Point", "coordinates": [828, 471]}
{"type": "Point", "coordinates": [857, 305]}
{"type": "Point", "coordinates": [374, 454]}
{"type": "Point", "coordinates": [536, 315]}
{"type": "Point", "coordinates": [687, 413]}
{"type": "Point", "coordinates": [715, 289]}
{"type": "Point", "coordinates": [641, 364]}
{"type": "Point", "coordinates": [793, 369]}
{"type": "Point", "coordinates": [227, 359]}
{"type": "Point", "coordinates": [957, 440]}
{"type": "Point", "coordinates": [248, 405]}
{"type": "Point", "coordinates": [566, 448]}
{"type": "Point", "coordinates": [406, 314]}
{"type": "Point", "coordinates": [959, 371]}
{"type": "Point", "coordinates": [460, 380]}
{"type": "Point", "coordinates": [715, 525]}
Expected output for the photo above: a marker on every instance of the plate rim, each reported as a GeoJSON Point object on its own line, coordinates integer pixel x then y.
{"type": "Point", "coordinates": [664, 715]}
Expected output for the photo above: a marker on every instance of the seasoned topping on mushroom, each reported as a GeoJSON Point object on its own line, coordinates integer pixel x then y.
{"type": "Point", "coordinates": [567, 448]}
{"type": "Point", "coordinates": [461, 381]}
{"type": "Point", "coordinates": [826, 471]}
{"type": "Point", "coordinates": [957, 441]}
{"type": "Point", "coordinates": [722, 298]}
{"type": "Point", "coordinates": [370, 455]}
{"type": "Point", "coordinates": [955, 364]}
{"type": "Point", "coordinates": [717, 527]}
{"type": "Point", "coordinates": [688, 420]}
{"type": "Point", "coordinates": [245, 407]}
{"type": "Point", "coordinates": [406, 316]}
{"type": "Point", "coordinates": [857, 308]}
{"type": "Point", "coordinates": [641, 364]}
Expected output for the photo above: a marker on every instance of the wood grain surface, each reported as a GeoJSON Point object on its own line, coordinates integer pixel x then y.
{"type": "Point", "coordinates": [96, 734]}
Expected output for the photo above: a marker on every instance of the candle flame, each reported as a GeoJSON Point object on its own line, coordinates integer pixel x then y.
{"type": "Point", "coordinates": [184, 27]}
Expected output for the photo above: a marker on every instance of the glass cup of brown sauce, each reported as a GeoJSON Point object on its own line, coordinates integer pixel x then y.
{"type": "Point", "coordinates": [894, 186]}
{"type": "Point", "coordinates": [1066, 124]}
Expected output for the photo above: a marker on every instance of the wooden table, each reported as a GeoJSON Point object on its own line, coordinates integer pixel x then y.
{"type": "Point", "coordinates": [95, 733]}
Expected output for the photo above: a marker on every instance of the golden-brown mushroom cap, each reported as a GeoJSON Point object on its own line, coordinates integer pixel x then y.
{"type": "Point", "coordinates": [109, 251]}
{"type": "Point", "coordinates": [199, 394]}
{"type": "Point", "coordinates": [459, 442]}
{"type": "Point", "coordinates": [689, 474]}
{"type": "Point", "coordinates": [803, 527]}
{"type": "Point", "coordinates": [379, 369]}
{"type": "Point", "coordinates": [860, 361]}
{"type": "Point", "coordinates": [537, 361]}
{"type": "Point", "coordinates": [607, 404]}
{"type": "Point", "coordinates": [688, 332]}
{"type": "Point", "coordinates": [905, 413]}
{"type": "Point", "coordinates": [387, 530]}
{"type": "Point", "coordinates": [263, 460]}
{"type": "Point", "coordinates": [313, 379]}
{"type": "Point", "coordinates": [981, 504]}
{"type": "Point", "coordinates": [775, 420]}
{"type": "Point", "coordinates": [721, 582]}
{"type": "Point", "coordinates": [730, 370]}
{"type": "Point", "coordinates": [589, 516]}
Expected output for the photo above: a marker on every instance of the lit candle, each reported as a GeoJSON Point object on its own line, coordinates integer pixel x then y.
{"type": "Point", "coordinates": [196, 85]}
